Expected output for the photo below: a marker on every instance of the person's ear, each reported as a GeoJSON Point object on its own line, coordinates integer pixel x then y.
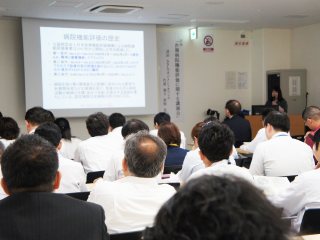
{"type": "Point", "coordinates": [60, 145]}
{"type": "Point", "coordinates": [57, 180]}
{"type": "Point", "coordinates": [204, 159]}
{"type": "Point", "coordinates": [5, 187]}
{"type": "Point", "coordinates": [125, 167]}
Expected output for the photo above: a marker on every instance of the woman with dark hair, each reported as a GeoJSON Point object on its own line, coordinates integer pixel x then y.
{"type": "Point", "coordinates": [277, 100]}
{"type": "Point", "coordinates": [170, 134]}
{"type": "Point", "coordinates": [69, 143]}
{"type": "Point", "coordinates": [9, 131]}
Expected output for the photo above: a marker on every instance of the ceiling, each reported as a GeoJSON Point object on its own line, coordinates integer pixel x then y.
{"type": "Point", "coordinates": [230, 14]}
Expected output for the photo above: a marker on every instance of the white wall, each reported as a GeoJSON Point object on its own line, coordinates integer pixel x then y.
{"type": "Point", "coordinates": [306, 54]}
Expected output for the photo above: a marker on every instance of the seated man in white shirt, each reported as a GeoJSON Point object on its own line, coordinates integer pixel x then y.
{"type": "Point", "coordinates": [116, 122]}
{"type": "Point", "coordinates": [216, 144]}
{"type": "Point", "coordinates": [260, 136]}
{"type": "Point", "coordinates": [73, 178]}
{"type": "Point", "coordinates": [281, 155]}
{"type": "Point", "coordinates": [302, 191]}
{"type": "Point", "coordinates": [132, 202]}
{"type": "Point", "coordinates": [98, 152]}
{"type": "Point", "coordinates": [163, 117]}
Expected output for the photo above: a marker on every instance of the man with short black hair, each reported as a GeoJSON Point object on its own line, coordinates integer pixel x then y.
{"type": "Point", "coordinates": [216, 145]}
{"type": "Point", "coordinates": [240, 126]}
{"type": "Point", "coordinates": [281, 155]}
{"type": "Point", "coordinates": [133, 126]}
{"type": "Point", "coordinates": [73, 177]}
{"type": "Point", "coordinates": [132, 201]}
{"type": "Point", "coordinates": [116, 121]}
{"type": "Point", "coordinates": [32, 211]}
{"type": "Point", "coordinates": [218, 208]}
{"type": "Point", "coordinates": [35, 116]}
{"type": "Point", "coordinates": [98, 152]}
{"type": "Point", "coordinates": [163, 117]}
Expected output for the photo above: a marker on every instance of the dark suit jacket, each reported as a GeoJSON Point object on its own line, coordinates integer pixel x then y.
{"type": "Point", "coordinates": [50, 216]}
{"type": "Point", "coordinates": [241, 129]}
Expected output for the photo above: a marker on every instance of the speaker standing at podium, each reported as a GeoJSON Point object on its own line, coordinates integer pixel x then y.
{"type": "Point", "coordinates": [277, 100]}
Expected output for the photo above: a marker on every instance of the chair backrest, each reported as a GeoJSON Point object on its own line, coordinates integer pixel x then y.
{"type": "Point", "coordinates": [79, 195]}
{"type": "Point", "coordinates": [310, 221]}
{"type": "Point", "coordinates": [127, 236]}
{"type": "Point", "coordinates": [173, 168]}
{"type": "Point", "coordinates": [91, 176]}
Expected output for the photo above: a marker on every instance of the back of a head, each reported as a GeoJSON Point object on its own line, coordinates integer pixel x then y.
{"type": "Point", "coordinates": [38, 115]}
{"type": "Point", "coordinates": [161, 117]}
{"type": "Point", "coordinates": [64, 126]}
{"type": "Point", "coordinates": [10, 129]}
{"type": "Point", "coordinates": [169, 133]}
{"type": "Point", "coordinates": [216, 141]}
{"type": "Point", "coordinates": [50, 132]}
{"type": "Point", "coordinates": [265, 112]}
{"type": "Point", "coordinates": [233, 106]}
{"type": "Point", "coordinates": [133, 126]}
{"type": "Point", "coordinates": [29, 164]}
{"type": "Point", "coordinates": [311, 112]}
{"type": "Point", "coordinates": [116, 120]}
{"type": "Point", "coordinates": [2, 148]}
{"type": "Point", "coordinates": [279, 121]}
{"type": "Point", "coordinates": [196, 129]}
{"type": "Point", "coordinates": [144, 154]}
{"type": "Point", "coordinates": [212, 207]}
{"type": "Point", "coordinates": [97, 124]}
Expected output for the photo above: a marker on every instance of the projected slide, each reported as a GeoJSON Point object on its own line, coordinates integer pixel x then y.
{"type": "Point", "coordinates": [92, 68]}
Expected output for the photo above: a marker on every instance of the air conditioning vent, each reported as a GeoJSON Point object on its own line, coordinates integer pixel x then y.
{"type": "Point", "coordinates": [119, 9]}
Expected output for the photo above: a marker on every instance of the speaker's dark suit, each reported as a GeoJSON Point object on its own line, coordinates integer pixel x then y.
{"type": "Point", "coordinates": [50, 216]}
{"type": "Point", "coordinates": [241, 129]}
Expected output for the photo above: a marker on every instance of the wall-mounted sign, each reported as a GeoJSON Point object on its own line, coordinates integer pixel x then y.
{"type": "Point", "coordinates": [208, 43]}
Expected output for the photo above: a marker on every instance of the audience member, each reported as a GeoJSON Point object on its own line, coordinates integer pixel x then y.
{"type": "Point", "coordinates": [97, 153]}
{"type": "Point", "coordinates": [31, 211]}
{"type": "Point", "coordinates": [277, 100]}
{"type": "Point", "coordinates": [35, 116]}
{"type": "Point", "coordinates": [260, 137]}
{"type": "Point", "coordinates": [73, 178]}
{"type": "Point", "coordinates": [281, 155]}
{"type": "Point", "coordinates": [69, 142]}
{"type": "Point", "coordinates": [311, 117]}
{"type": "Point", "coordinates": [132, 202]}
{"type": "Point", "coordinates": [218, 208]}
{"type": "Point", "coordinates": [170, 134]}
{"type": "Point", "coordinates": [133, 126]}
{"type": "Point", "coordinates": [192, 162]}
{"type": "Point", "coordinates": [130, 127]}
{"type": "Point", "coordinates": [216, 143]}
{"type": "Point", "coordinates": [240, 126]}
{"type": "Point", "coordinates": [302, 191]}
{"type": "Point", "coordinates": [116, 122]}
{"type": "Point", "coordinates": [9, 131]}
{"type": "Point", "coordinates": [163, 117]}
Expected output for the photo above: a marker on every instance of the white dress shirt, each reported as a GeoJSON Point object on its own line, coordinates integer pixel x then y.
{"type": "Point", "coordinates": [73, 178]}
{"type": "Point", "coordinates": [117, 138]}
{"type": "Point", "coordinates": [183, 143]}
{"type": "Point", "coordinates": [68, 147]}
{"type": "Point", "coordinates": [130, 203]}
{"type": "Point", "coordinates": [281, 156]}
{"type": "Point", "coordinates": [192, 163]}
{"type": "Point", "coordinates": [302, 191]}
{"type": "Point", "coordinates": [98, 154]}
{"type": "Point", "coordinates": [223, 168]}
{"type": "Point", "coordinates": [260, 137]}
